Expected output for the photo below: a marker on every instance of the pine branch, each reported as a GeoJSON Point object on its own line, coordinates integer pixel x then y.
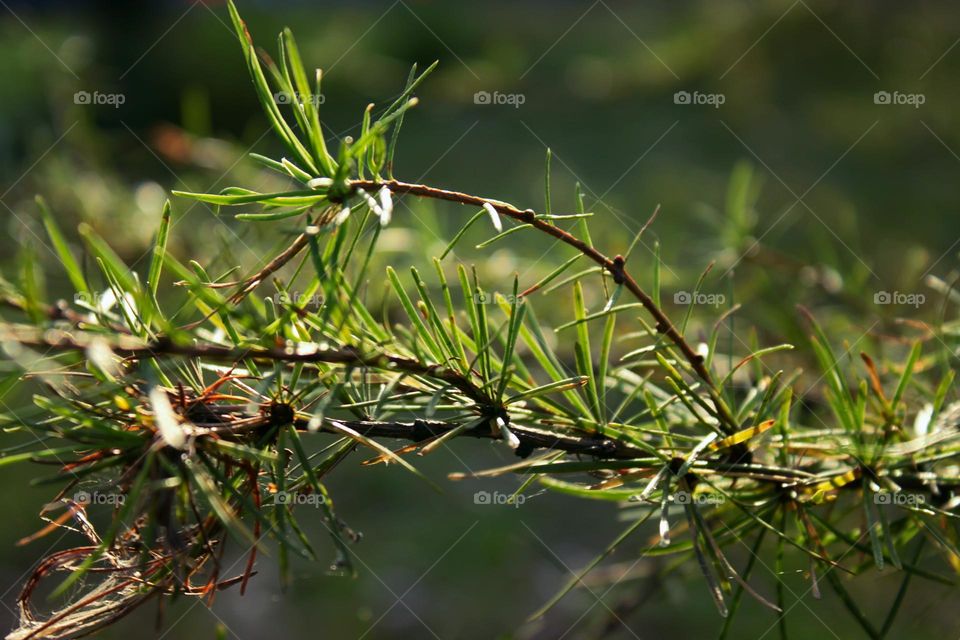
{"type": "Point", "coordinates": [616, 266]}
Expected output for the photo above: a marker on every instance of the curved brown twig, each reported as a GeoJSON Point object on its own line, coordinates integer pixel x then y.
{"type": "Point", "coordinates": [616, 266]}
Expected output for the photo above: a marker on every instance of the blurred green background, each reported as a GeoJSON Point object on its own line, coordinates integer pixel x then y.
{"type": "Point", "coordinates": [856, 196]}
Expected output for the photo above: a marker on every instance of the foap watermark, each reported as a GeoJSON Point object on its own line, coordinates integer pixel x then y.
{"type": "Point", "coordinates": [512, 99]}
{"type": "Point", "coordinates": [497, 498]}
{"type": "Point", "coordinates": [97, 98]}
{"type": "Point", "coordinates": [88, 498]}
{"type": "Point", "coordinates": [698, 297]}
{"type": "Point", "coordinates": [914, 300]}
{"type": "Point", "coordinates": [899, 498]}
{"type": "Point", "coordinates": [89, 298]}
{"type": "Point", "coordinates": [297, 299]}
{"type": "Point", "coordinates": [285, 97]}
{"type": "Point", "coordinates": [685, 497]}
{"type": "Point", "coordinates": [898, 98]}
{"type": "Point", "coordinates": [492, 298]}
{"type": "Point", "coordinates": [698, 98]}
{"type": "Point", "coordinates": [299, 499]}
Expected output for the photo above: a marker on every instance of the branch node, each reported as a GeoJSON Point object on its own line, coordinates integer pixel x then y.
{"type": "Point", "coordinates": [616, 269]}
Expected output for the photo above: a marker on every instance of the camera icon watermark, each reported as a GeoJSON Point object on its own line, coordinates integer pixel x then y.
{"type": "Point", "coordinates": [88, 498]}
{"type": "Point", "coordinates": [699, 298]}
{"type": "Point", "coordinates": [297, 299]}
{"type": "Point", "coordinates": [497, 498]}
{"type": "Point", "coordinates": [491, 298]}
{"type": "Point", "coordinates": [285, 97]}
{"type": "Point", "coordinates": [698, 98]}
{"type": "Point", "coordinates": [897, 98]}
{"type": "Point", "coordinates": [899, 498]}
{"type": "Point", "coordinates": [512, 99]}
{"type": "Point", "coordinates": [92, 299]}
{"type": "Point", "coordinates": [914, 300]}
{"type": "Point", "coordinates": [298, 499]}
{"type": "Point", "coordinates": [97, 98]}
{"type": "Point", "coordinates": [699, 499]}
